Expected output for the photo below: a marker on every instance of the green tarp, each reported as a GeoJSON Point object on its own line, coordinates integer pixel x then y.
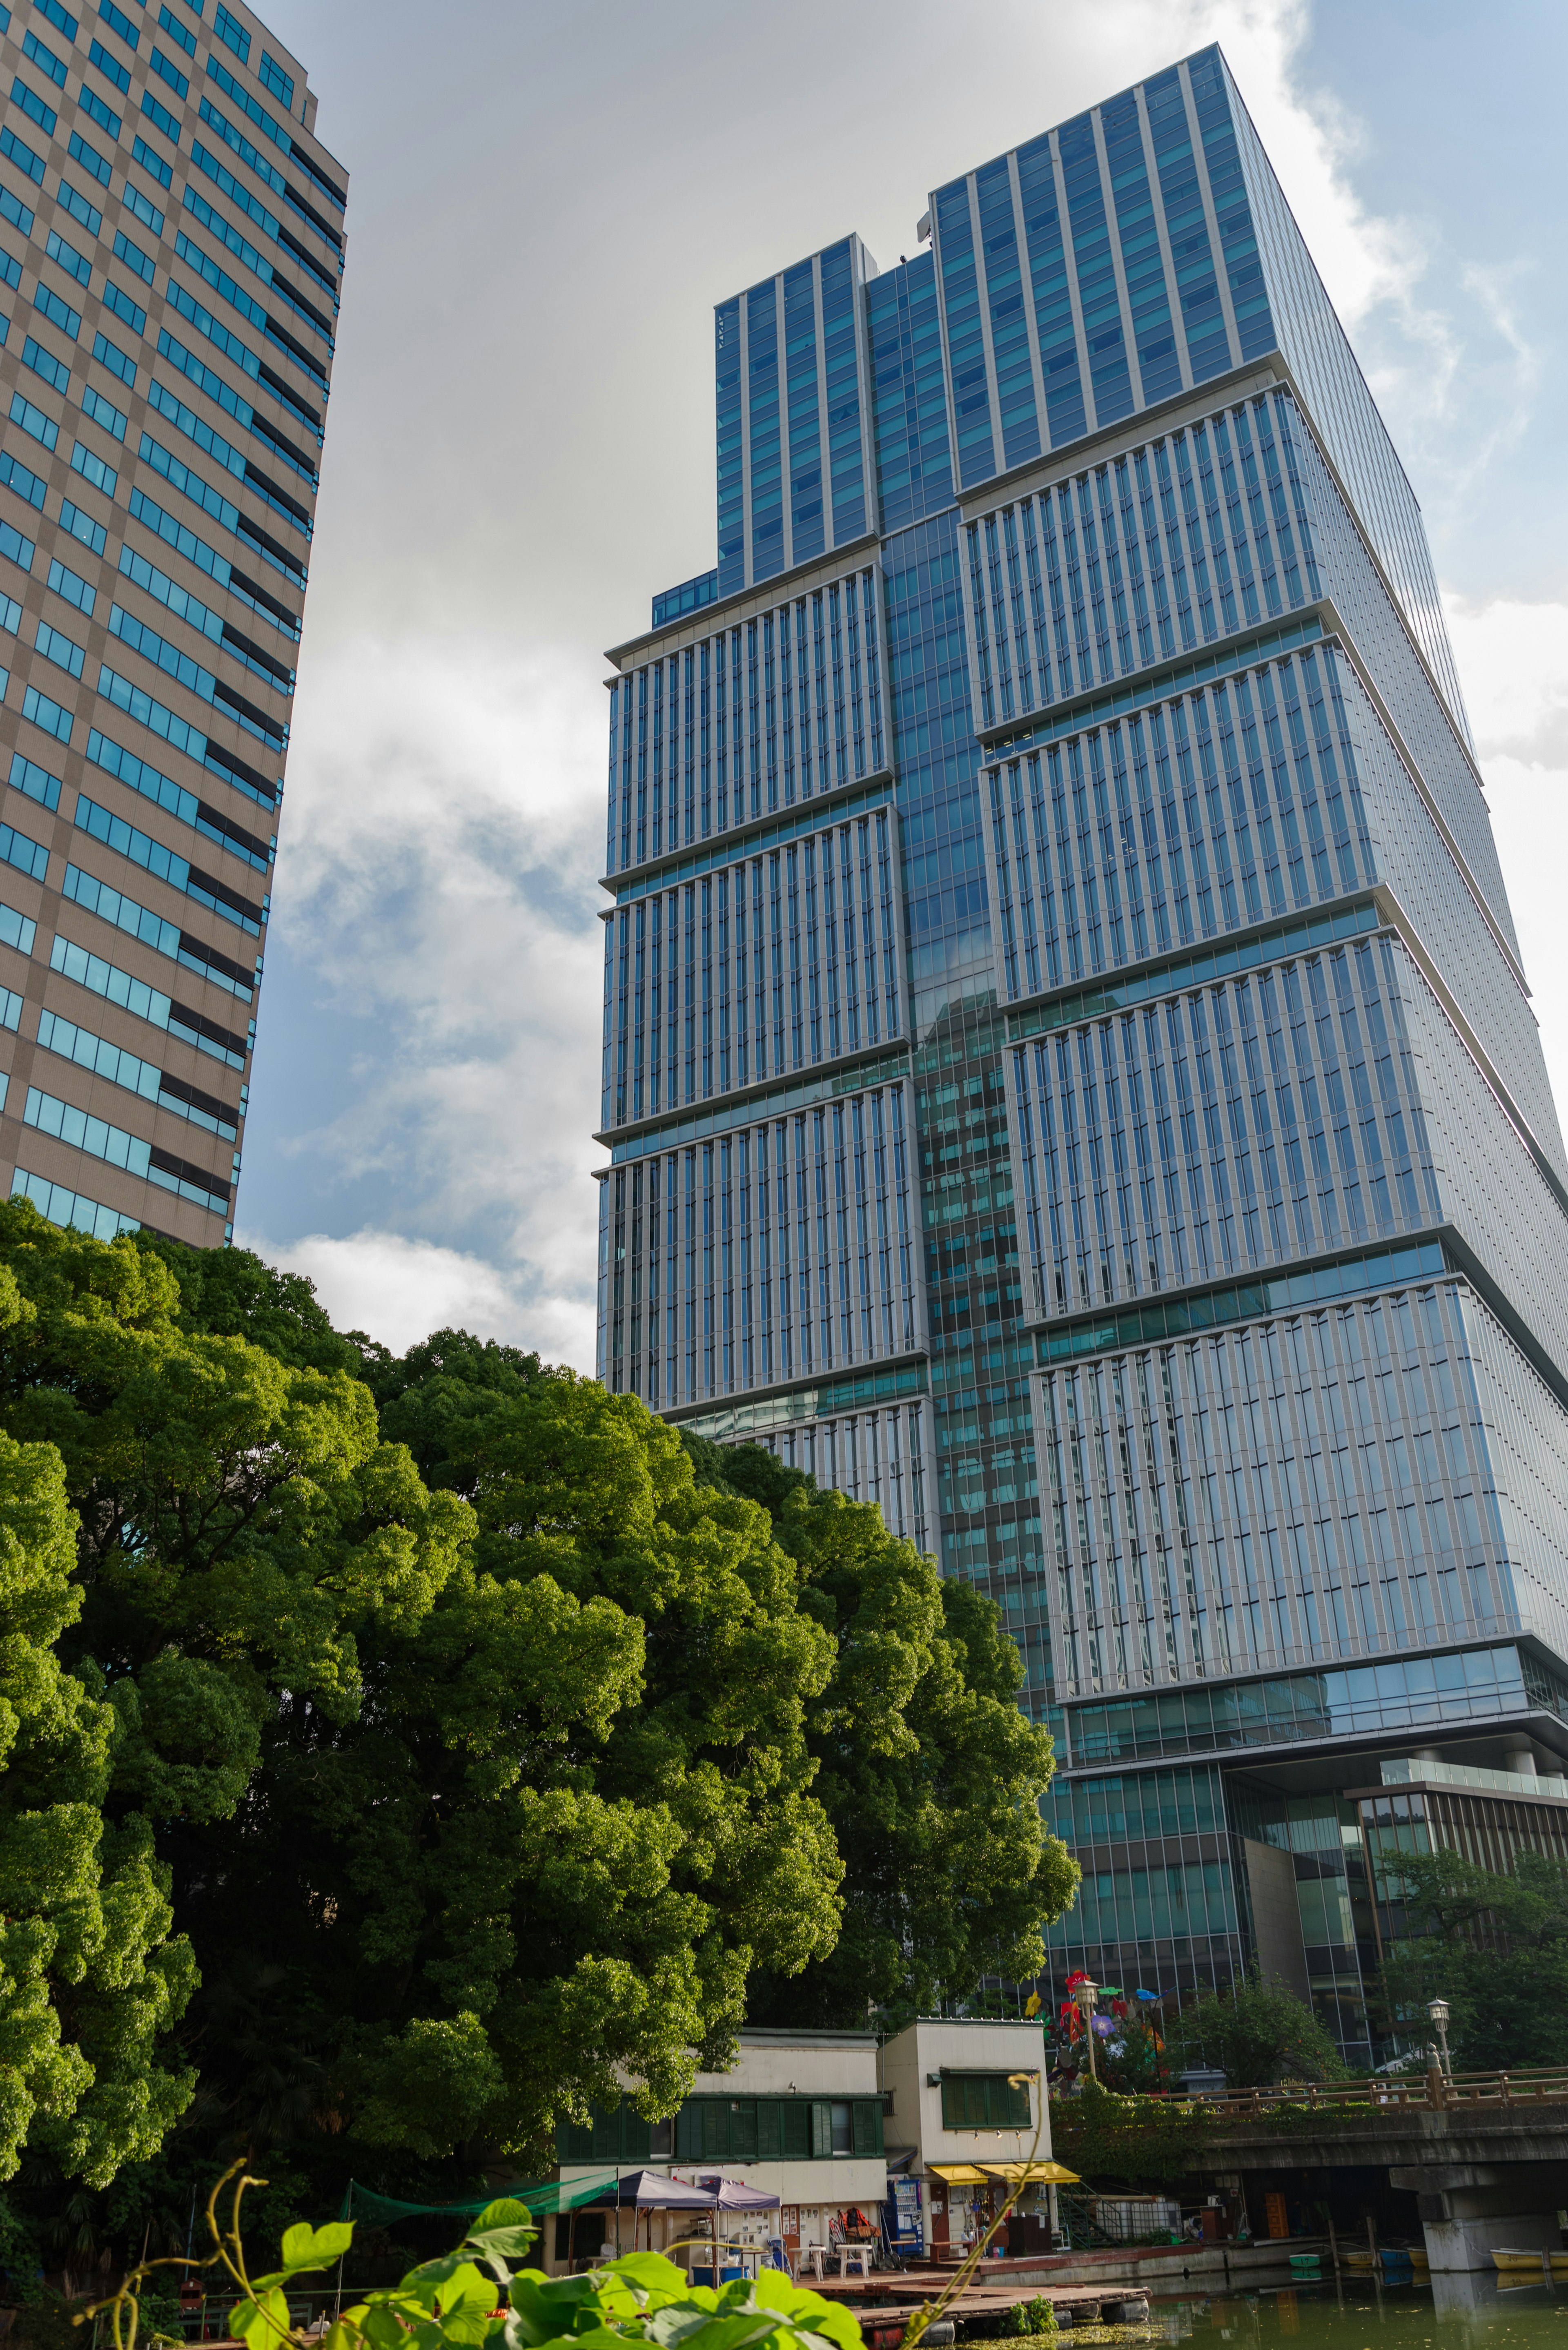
{"type": "Point", "coordinates": [362, 2203]}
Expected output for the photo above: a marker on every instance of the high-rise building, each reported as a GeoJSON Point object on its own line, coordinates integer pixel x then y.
{"type": "Point", "coordinates": [1068, 1072]}
{"type": "Point", "coordinates": [172, 233]}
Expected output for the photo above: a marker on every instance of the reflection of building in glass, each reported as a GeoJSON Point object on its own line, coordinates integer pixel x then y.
{"type": "Point", "coordinates": [1068, 1074]}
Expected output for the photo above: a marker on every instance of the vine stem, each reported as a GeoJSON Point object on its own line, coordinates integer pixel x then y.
{"type": "Point", "coordinates": [128, 2299]}
{"type": "Point", "coordinates": [930, 2313]}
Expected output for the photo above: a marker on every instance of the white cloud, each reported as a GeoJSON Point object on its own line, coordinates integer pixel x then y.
{"type": "Point", "coordinates": [436, 878]}
{"type": "Point", "coordinates": [399, 1291]}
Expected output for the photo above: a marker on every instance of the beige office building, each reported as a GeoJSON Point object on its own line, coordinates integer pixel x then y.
{"type": "Point", "coordinates": [172, 233]}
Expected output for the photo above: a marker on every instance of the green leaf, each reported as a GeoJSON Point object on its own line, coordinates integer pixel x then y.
{"type": "Point", "coordinates": [543, 2306]}
{"type": "Point", "coordinates": [261, 2323]}
{"type": "Point", "coordinates": [385, 2331]}
{"type": "Point", "coordinates": [506, 2211]}
{"type": "Point", "coordinates": [651, 2271]}
{"type": "Point", "coordinates": [305, 2247]}
{"type": "Point", "coordinates": [499, 2244]}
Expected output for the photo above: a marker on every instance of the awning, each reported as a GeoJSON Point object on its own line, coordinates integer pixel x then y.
{"type": "Point", "coordinates": [735, 2195]}
{"type": "Point", "coordinates": [958, 2174]}
{"type": "Point", "coordinates": [652, 2190]}
{"type": "Point", "coordinates": [1031, 2174]}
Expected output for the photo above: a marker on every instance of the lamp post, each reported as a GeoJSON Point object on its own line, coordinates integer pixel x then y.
{"type": "Point", "coordinates": [1084, 1998]}
{"type": "Point", "coordinates": [1437, 2009]}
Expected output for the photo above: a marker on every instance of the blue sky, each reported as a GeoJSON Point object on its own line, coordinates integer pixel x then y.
{"type": "Point", "coordinates": [544, 208]}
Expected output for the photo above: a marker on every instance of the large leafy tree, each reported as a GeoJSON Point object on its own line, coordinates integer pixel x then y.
{"type": "Point", "coordinates": [573, 1812]}
{"type": "Point", "coordinates": [489, 1743]}
{"type": "Point", "coordinates": [90, 1978]}
{"type": "Point", "coordinates": [1494, 1946]}
{"type": "Point", "coordinates": [200, 1535]}
{"type": "Point", "coordinates": [930, 1775]}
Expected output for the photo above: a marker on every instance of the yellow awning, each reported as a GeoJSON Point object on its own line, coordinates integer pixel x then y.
{"type": "Point", "coordinates": [958, 2174]}
{"type": "Point", "coordinates": [1042, 2173]}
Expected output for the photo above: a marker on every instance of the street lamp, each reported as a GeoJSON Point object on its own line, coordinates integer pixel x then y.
{"type": "Point", "coordinates": [1085, 1994]}
{"type": "Point", "coordinates": [1437, 2009]}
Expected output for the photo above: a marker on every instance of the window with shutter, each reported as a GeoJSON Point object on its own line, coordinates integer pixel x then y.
{"type": "Point", "coordinates": [636, 2136]}
{"type": "Point", "coordinates": [978, 2101]}
{"type": "Point", "coordinates": [738, 2129]}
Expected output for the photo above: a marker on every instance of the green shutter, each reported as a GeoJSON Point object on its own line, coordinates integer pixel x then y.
{"type": "Point", "coordinates": [770, 2129]}
{"type": "Point", "coordinates": [574, 2142]}
{"type": "Point", "coordinates": [795, 2113]}
{"type": "Point", "coordinates": [715, 2129]}
{"type": "Point", "coordinates": [688, 2132]}
{"type": "Point", "coordinates": [867, 2124]}
{"type": "Point", "coordinates": [821, 2127]}
{"type": "Point", "coordinates": [635, 2134]}
{"type": "Point", "coordinates": [742, 2129]}
{"type": "Point", "coordinates": [607, 2136]}
{"type": "Point", "coordinates": [979, 2101]}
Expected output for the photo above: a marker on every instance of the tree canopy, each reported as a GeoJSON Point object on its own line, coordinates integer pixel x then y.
{"type": "Point", "coordinates": [929, 1772]}
{"type": "Point", "coordinates": [1496, 1948]}
{"type": "Point", "coordinates": [1256, 2033]}
{"type": "Point", "coordinates": [427, 1743]}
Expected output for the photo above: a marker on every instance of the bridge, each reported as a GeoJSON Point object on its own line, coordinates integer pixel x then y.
{"type": "Point", "coordinates": [1485, 2154]}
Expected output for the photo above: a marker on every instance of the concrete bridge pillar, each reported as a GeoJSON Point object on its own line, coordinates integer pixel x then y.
{"type": "Point", "coordinates": [1469, 2210]}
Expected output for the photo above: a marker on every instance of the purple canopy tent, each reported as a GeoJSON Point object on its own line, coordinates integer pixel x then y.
{"type": "Point", "coordinates": [732, 2195]}
{"type": "Point", "coordinates": [735, 2195]}
{"type": "Point", "coordinates": [654, 2191]}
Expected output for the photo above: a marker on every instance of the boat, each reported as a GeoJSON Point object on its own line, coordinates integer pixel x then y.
{"type": "Point", "coordinates": [1510, 2263]}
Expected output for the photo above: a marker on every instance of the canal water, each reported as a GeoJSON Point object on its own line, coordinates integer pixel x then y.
{"type": "Point", "coordinates": [1460, 2312]}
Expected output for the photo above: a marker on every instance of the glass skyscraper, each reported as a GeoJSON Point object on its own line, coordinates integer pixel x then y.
{"type": "Point", "coordinates": [1068, 1074]}
{"type": "Point", "coordinates": [172, 233]}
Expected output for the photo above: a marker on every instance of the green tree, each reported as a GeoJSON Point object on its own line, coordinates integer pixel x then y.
{"type": "Point", "coordinates": [572, 1810]}
{"type": "Point", "coordinates": [932, 1777]}
{"type": "Point", "coordinates": [1496, 1948]}
{"type": "Point", "coordinates": [90, 1977]}
{"type": "Point", "coordinates": [490, 1744]}
{"type": "Point", "coordinates": [232, 1293]}
{"type": "Point", "coordinates": [227, 1526]}
{"type": "Point", "coordinates": [1256, 2033]}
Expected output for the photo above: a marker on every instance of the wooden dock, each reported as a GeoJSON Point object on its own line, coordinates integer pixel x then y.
{"type": "Point", "coordinates": [884, 2304]}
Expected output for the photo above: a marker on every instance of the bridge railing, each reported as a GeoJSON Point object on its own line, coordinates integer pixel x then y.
{"type": "Point", "coordinates": [1429, 2091]}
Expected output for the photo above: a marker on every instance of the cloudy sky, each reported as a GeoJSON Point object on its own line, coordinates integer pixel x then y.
{"type": "Point", "coordinates": [545, 204]}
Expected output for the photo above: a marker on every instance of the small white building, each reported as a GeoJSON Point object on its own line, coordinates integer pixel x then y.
{"type": "Point", "coordinates": [965, 2105]}
{"type": "Point", "coordinates": [798, 2115]}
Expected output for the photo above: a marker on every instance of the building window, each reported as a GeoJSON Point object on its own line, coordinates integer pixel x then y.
{"type": "Point", "coordinates": [984, 2101]}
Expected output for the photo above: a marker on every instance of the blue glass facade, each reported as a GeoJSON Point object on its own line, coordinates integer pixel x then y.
{"type": "Point", "coordinates": [1068, 1074]}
